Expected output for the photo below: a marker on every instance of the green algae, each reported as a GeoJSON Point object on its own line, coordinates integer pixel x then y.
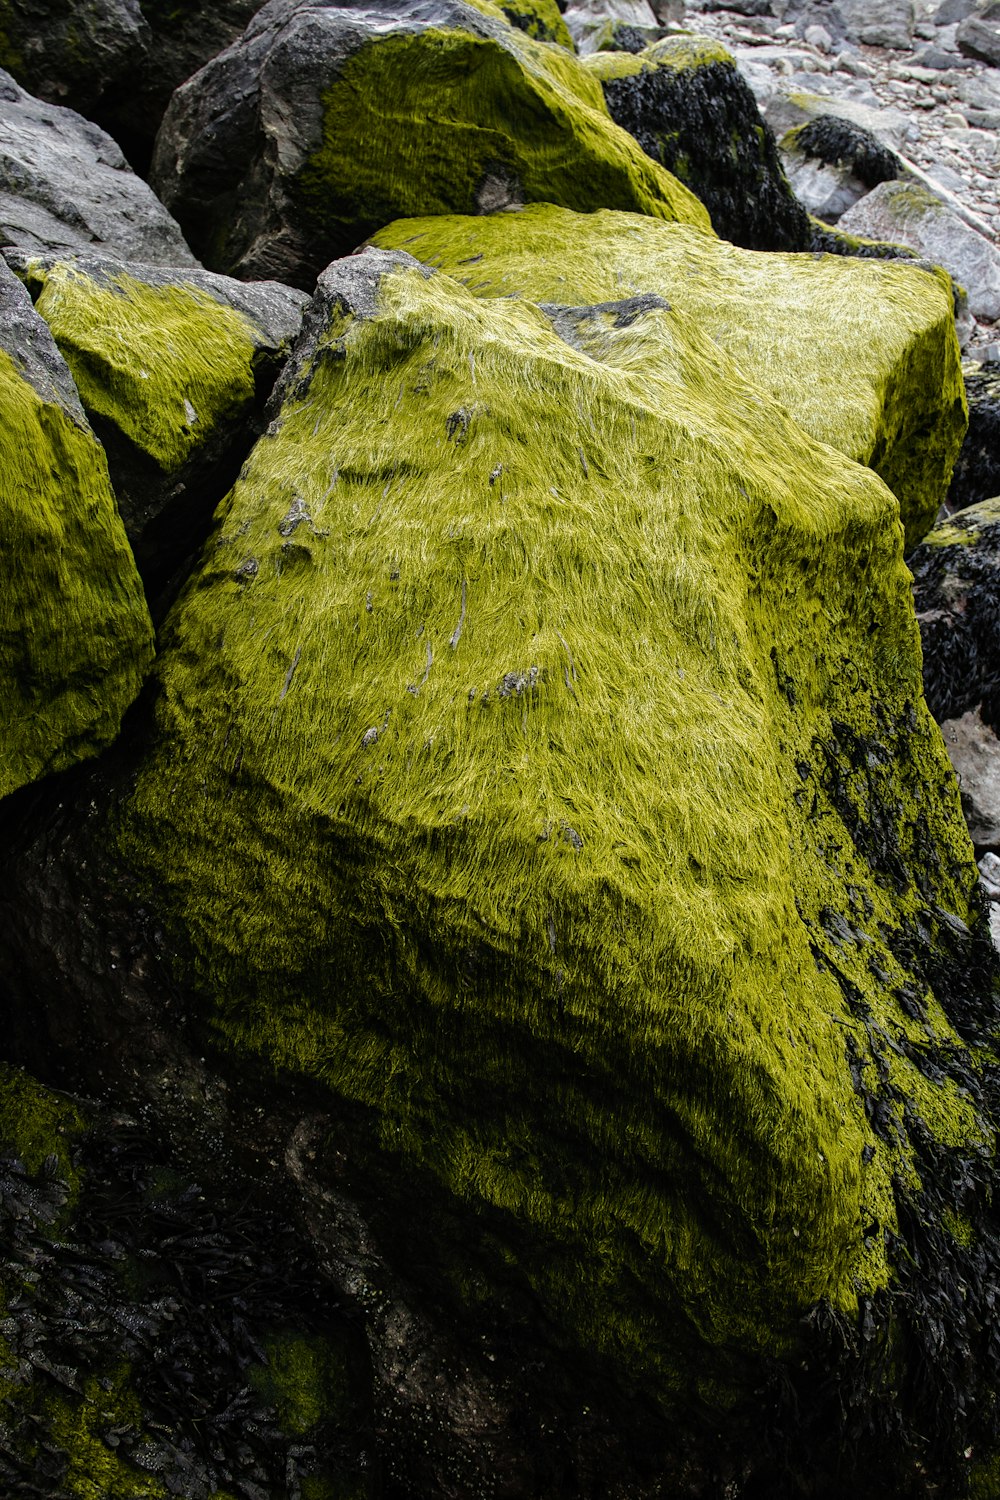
{"type": "Point", "coordinates": [965, 527]}
{"type": "Point", "coordinates": [166, 365]}
{"type": "Point", "coordinates": [507, 783]}
{"type": "Point", "coordinates": [862, 354]}
{"type": "Point", "coordinates": [95, 1471]}
{"type": "Point", "coordinates": [75, 635]}
{"type": "Point", "coordinates": [36, 1124]}
{"type": "Point", "coordinates": [306, 1379]}
{"type": "Point", "coordinates": [540, 19]}
{"type": "Point", "coordinates": [384, 153]}
{"type": "Point", "coordinates": [680, 53]}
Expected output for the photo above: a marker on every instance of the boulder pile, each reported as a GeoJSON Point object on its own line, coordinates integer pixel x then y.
{"type": "Point", "coordinates": [501, 994]}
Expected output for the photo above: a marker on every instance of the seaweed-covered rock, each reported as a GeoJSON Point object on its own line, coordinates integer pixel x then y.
{"type": "Point", "coordinates": [691, 110]}
{"type": "Point", "coordinates": [977, 470]}
{"type": "Point", "coordinates": [75, 636]}
{"type": "Point", "coordinates": [831, 162]}
{"type": "Point", "coordinates": [910, 213]}
{"type": "Point", "coordinates": [155, 1342]}
{"type": "Point", "coordinates": [172, 368]}
{"type": "Point", "coordinates": [313, 130]}
{"type": "Point", "coordinates": [540, 773]}
{"type": "Point", "coordinates": [862, 354]}
{"type": "Point", "coordinates": [590, 21]}
{"type": "Point", "coordinates": [956, 582]}
{"type": "Point", "coordinates": [541, 19]}
{"type": "Point", "coordinates": [65, 185]}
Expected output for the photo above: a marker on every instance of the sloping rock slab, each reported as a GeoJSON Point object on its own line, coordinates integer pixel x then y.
{"type": "Point", "coordinates": [314, 130]}
{"type": "Point", "coordinates": [172, 368]}
{"type": "Point", "coordinates": [75, 636]}
{"type": "Point", "coordinates": [907, 212]}
{"type": "Point", "coordinates": [536, 771]}
{"type": "Point", "coordinates": [956, 584]}
{"type": "Point", "coordinates": [862, 354]}
{"type": "Point", "coordinates": [65, 185]}
{"type": "Point", "coordinates": [690, 110]}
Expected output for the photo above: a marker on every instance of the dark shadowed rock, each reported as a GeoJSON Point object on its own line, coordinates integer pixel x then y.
{"type": "Point", "coordinates": [691, 110]}
{"type": "Point", "coordinates": [979, 36]}
{"type": "Point", "coordinates": [977, 471]}
{"type": "Point", "coordinates": [70, 51]}
{"type": "Point", "coordinates": [282, 152]}
{"type": "Point", "coordinates": [173, 368]}
{"type": "Point", "coordinates": [65, 185]}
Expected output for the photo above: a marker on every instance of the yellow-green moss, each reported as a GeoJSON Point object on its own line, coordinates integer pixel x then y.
{"type": "Point", "coordinates": [863, 354]}
{"type": "Point", "coordinates": [75, 635]}
{"type": "Point", "coordinates": [966, 526]}
{"type": "Point", "coordinates": [305, 1379]}
{"type": "Point", "coordinates": [491, 789]}
{"type": "Point", "coordinates": [165, 364]}
{"type": "Point", "coordinates": [36, 1123]}
{"type": "Point", "coordinates": [540, 19]}
{"type": "Point", "coordinates": [385, 153]}
{"type": "Point", "coordinates": [95, 1470]}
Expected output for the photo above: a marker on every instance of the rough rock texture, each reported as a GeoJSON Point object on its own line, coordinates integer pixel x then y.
{"type": "Point", "coordinates": [977, 471]}
{"type": "Point", "coordinates": [877, 23]}
{"type": "Point", "coordinates": [692, 112]}
{"type": "Point", "coordinates": [75, 637]}
{"type": "Point", "coordinates": [956, 582]}
{"type": "Point", "coordinates": [71, 53]}
{"type": "Point", "coordinates": [906, 212]}
{"type": "Point", "coordinates": [862, 354]}
{"type": "Point", "coordinates": [172, 368]}
{"type": "Point", "coordinates": [65, 185]}
{"type": "Point", "coordinates": [541, 19]}
{"type": "Point", "coordinates": [540, 769]}
{"type": "Point", "coordinates": [589, 20]}
{"type": "Point", "coordinates": [979, 36]}
{"type": "Point", "coordinates": [974, 750]}
{"type": "Point", "coordinates": [313, 131]}
{"type": "Point", "coordinates": [788, 108]}
{"type": "Point", "coordinates": [831, 162]}
{"type": "Point", "coordinates": [158, 1339]}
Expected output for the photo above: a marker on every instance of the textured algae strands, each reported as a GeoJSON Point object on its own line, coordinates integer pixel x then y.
{"type": "Point", "coordinates": [863, 354]}
{"type": "Point", "coordinates": [75, 635]}
{"type": "Point", "coordinates": [475, 796]}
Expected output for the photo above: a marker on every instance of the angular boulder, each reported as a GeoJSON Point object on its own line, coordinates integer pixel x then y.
{"type": "Point", "coordinates": [313, 130]}
{"type": "Point", "coordinates": [172, 368]}
{"type": "Point", "coordinates": [978, 36]}
{"type": "Point", "coordinates": [690, 110]}
{"type": "Point", "coordinates": [75, 635]}
{"type": "Point", "coordinates": [908, 213]}
{"type": "Point", "coordinates": [862, 354]}
{"type": "Point", "coordinates": [535, 777]}
{"type": "Point", "coordinates": [65, 185]}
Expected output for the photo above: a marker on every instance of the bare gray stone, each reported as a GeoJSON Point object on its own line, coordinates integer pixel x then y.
{"type": "Point", "coordinates": [975, 754]}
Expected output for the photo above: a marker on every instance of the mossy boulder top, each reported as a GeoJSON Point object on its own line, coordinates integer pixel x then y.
{"type": "Point", "coordinates": [862, 354]}
{"type": "Point", "coordinates": [325, 121]}
{"type": "Point", "coordinates": [692, 111]}
{"type": "Point", "coordinates": [75, 636]}
{"type": "Point", "coordinates": [540, 764]}
{"type": "Point", "coordinates": [170, 366]}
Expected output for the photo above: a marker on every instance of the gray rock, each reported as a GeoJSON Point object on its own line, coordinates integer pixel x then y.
{"type": "Point", "coordinates": [950, 11]}
{"type": "Point", "coordinates": [879, 23]}
{"type": "Point", "coordinates": [72, 53]}
{"type": "Point", "coordinates": [906, 213]}
{"type": "Point", "coordinates": [974, 751]}
{"type": "Point", "coordinates": [979, 36]}
{"type": "Point", "coordinates": [790, 106]}
{"type": "Point", "coordinates": [65, 185]}
{"type": "Point", "coordinates": [588, 19]}
{"type": "Point", "coordinates": [173, 368]}
{"type": "Point", "coordinates": [832, 163]}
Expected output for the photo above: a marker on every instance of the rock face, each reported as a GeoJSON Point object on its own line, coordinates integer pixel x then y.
{"type": "Point", "coordinates": [69, 53]}
{"type": "Point", "coordinates": [979, 36]}
{"type": "Point", "coordinates": [65, 185]}
{"type": "Point", "coordinates": [956, 582]}
{"type": "Point", "coordinates": [832, 162]}
{"type": "Point", "coordinates": [863, 355]}
{"type": "Point", "coordinates": [172, 368]}
{"type": "Point", "coordinates": [974, 751]}
{"type": "Point", "coordinates": [906, 212]}
{"type": "Point", "coordinates": [692, 112]}
{"type": "Point", "coordinates": [312, 131]}
{"type": "Point", "coordinates": [977, 471]}
{"type": "Point", "coordinates": [540, 773]}
{"type": "Point", "coordinates": [75, 637]}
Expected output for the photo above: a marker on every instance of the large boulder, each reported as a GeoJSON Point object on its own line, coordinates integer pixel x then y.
{"type": "Point", "coordinates": [540, 779]}
{"type": "Point", "coordinates": [75, 635]}
{"type": "Point", "coordinates": [862, 354]}
{"type": "Point", "coordinates": [173, 368]}
{"type": "Point", "coordinates": [65, 185]}
{"type": "Point", "coordinates": [691, 110]}
{"type": "Point", "coordinates": [911, 214]}
{"type": "Point", "coordinates": [69, 52]}
{"type": "Point", "coordinates": [284, 150]}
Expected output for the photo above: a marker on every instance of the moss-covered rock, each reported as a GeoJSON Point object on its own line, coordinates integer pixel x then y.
{"type": "Point", "coordinates": [541, 768]}
{"type": "Point", "coordinates": [690, 110]}
{"type": "Point", "coordinates": [75, 635]}
{"type": "Point", "coordinates": [863, 355]}
{"type": "Point", "coordinates": [330, 135]}
{"type": "Point", "coordinates": [541, 19]}
{"type": "Point", "coordinates": [172, 368]}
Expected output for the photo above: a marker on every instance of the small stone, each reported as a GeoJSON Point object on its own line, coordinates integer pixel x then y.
{"type": "Point", "coordinates": [819, 37]}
